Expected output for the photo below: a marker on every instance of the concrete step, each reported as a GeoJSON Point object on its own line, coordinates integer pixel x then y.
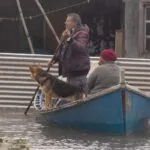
{"type": "Point", "coordinates": [25, 55]}
{"type": "Point", "coordinates": [21, 68]}
{"type": "Point", "coordinates": [144, 88]}
{"type": "Point", "coordinates": [139, 83]}
{"type": "Point", "coordinates": [141, 64]}
{"type": "Point", "coordinates": [26, 65]}
{"type": "Point", "coordinates": [15, 97]}
{"type": "Point", "coordinates": [40, 56]}
{"type": "Point", "coordinates": [17, 85]}
{"type": "Point", "coordinates": [17, 102]}
{"type": "Point", "coordinates": [14, 78]}
{"type": "Point", "coordinates": [25, 88]}
{"type": "Point", "coordinates": [138, 60]}
{"type": "Point", "coordinates": [137, 73]}
{"type": "Point", "coordinates": [17, 82]}
{"type": "Point", "coordinates": [19, 92]}
{"type": "Point", "coordinates": [23, 107]}
{"type": "Point", "coordinates": [24, 59]}
{"type": "Point", "coordinates": [21, 73]}
{"type": "Point", "coordinates": [136, 68]}
{"type": "Point", "coordinates": [137, 78]}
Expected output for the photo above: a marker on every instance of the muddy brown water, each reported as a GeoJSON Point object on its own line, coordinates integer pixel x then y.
{"type": "Point", "coordinates": [43, 136]}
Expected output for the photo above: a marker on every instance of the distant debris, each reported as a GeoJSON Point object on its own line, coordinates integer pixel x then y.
{"type": "Point", "coordinates": [14, 144]}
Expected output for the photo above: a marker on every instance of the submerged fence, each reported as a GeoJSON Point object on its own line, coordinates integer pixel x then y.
{"type": "Point", "coordinates": [17, 87]}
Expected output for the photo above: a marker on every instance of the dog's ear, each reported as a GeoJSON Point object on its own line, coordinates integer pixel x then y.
{"type": "Point", "coordinates": [39, 65]}
{"type": "Point", "coordinates": [31, 69]}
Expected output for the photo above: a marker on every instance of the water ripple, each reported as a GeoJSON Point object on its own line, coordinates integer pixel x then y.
{"type": "Point", "coordinates": [45, 137]}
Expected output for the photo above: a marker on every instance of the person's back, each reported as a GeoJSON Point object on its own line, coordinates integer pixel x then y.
{"type": "Point", "coordinates": [107, 74]}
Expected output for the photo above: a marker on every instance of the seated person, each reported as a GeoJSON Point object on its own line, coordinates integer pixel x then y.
{"type": "Point", "coordinates": [107, 74]}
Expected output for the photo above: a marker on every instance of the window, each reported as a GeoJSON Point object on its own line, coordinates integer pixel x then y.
{"type": "Point", "coordinates": [147, 28]}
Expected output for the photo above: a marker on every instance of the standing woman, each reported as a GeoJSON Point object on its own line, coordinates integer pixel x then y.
{"type": "Point", "coordinates": [73, 56]}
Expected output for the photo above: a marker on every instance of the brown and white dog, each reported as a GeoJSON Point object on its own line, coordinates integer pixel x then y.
{"type": "Point", "coordinates": [52, 86]}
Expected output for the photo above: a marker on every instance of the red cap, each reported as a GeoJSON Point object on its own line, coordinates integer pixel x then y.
{"type": "Point", "coordinates": [108, 55]}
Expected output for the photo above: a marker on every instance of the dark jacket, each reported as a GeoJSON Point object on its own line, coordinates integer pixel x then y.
{"type": "Point", "coordinates": [104, 76]}
{"type": "Point", "coordinates": [73, 56]}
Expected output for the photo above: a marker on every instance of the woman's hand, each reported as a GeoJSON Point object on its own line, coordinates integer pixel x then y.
{"type": "Point", "coordinates": [65, 35]}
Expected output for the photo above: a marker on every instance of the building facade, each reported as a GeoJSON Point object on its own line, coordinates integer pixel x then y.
{"type": "Point", "coordinates": [121, 24]}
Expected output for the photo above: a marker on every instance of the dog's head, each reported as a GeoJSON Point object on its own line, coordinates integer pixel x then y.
{"type": "Point", "coordinates": [38, 74]}
{"type": "Point", "coordinates": [35, 71]}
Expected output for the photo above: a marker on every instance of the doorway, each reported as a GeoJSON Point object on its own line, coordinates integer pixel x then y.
{"type": "Point", "coordinates": [105, 18]}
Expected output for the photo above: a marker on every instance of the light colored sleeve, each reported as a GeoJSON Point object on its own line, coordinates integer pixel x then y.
{"type": "Point", "coordinates": [92, 79]}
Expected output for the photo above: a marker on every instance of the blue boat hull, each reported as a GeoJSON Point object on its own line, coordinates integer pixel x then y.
{"type": "Point", "coordinates": [137, 112]}
{"type": "Point", "coordinates": [120, 111]}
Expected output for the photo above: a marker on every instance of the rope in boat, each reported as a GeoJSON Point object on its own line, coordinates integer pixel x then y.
{"type": "Point", "coordinates": [38, 102]}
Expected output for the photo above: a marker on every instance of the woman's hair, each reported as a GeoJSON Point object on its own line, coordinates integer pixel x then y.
{"type": "Point", "coordinates": [76, 17]}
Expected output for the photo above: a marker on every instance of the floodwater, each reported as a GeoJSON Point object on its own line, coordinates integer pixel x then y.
{"type": "Point", "coordinates": [42, 136]}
